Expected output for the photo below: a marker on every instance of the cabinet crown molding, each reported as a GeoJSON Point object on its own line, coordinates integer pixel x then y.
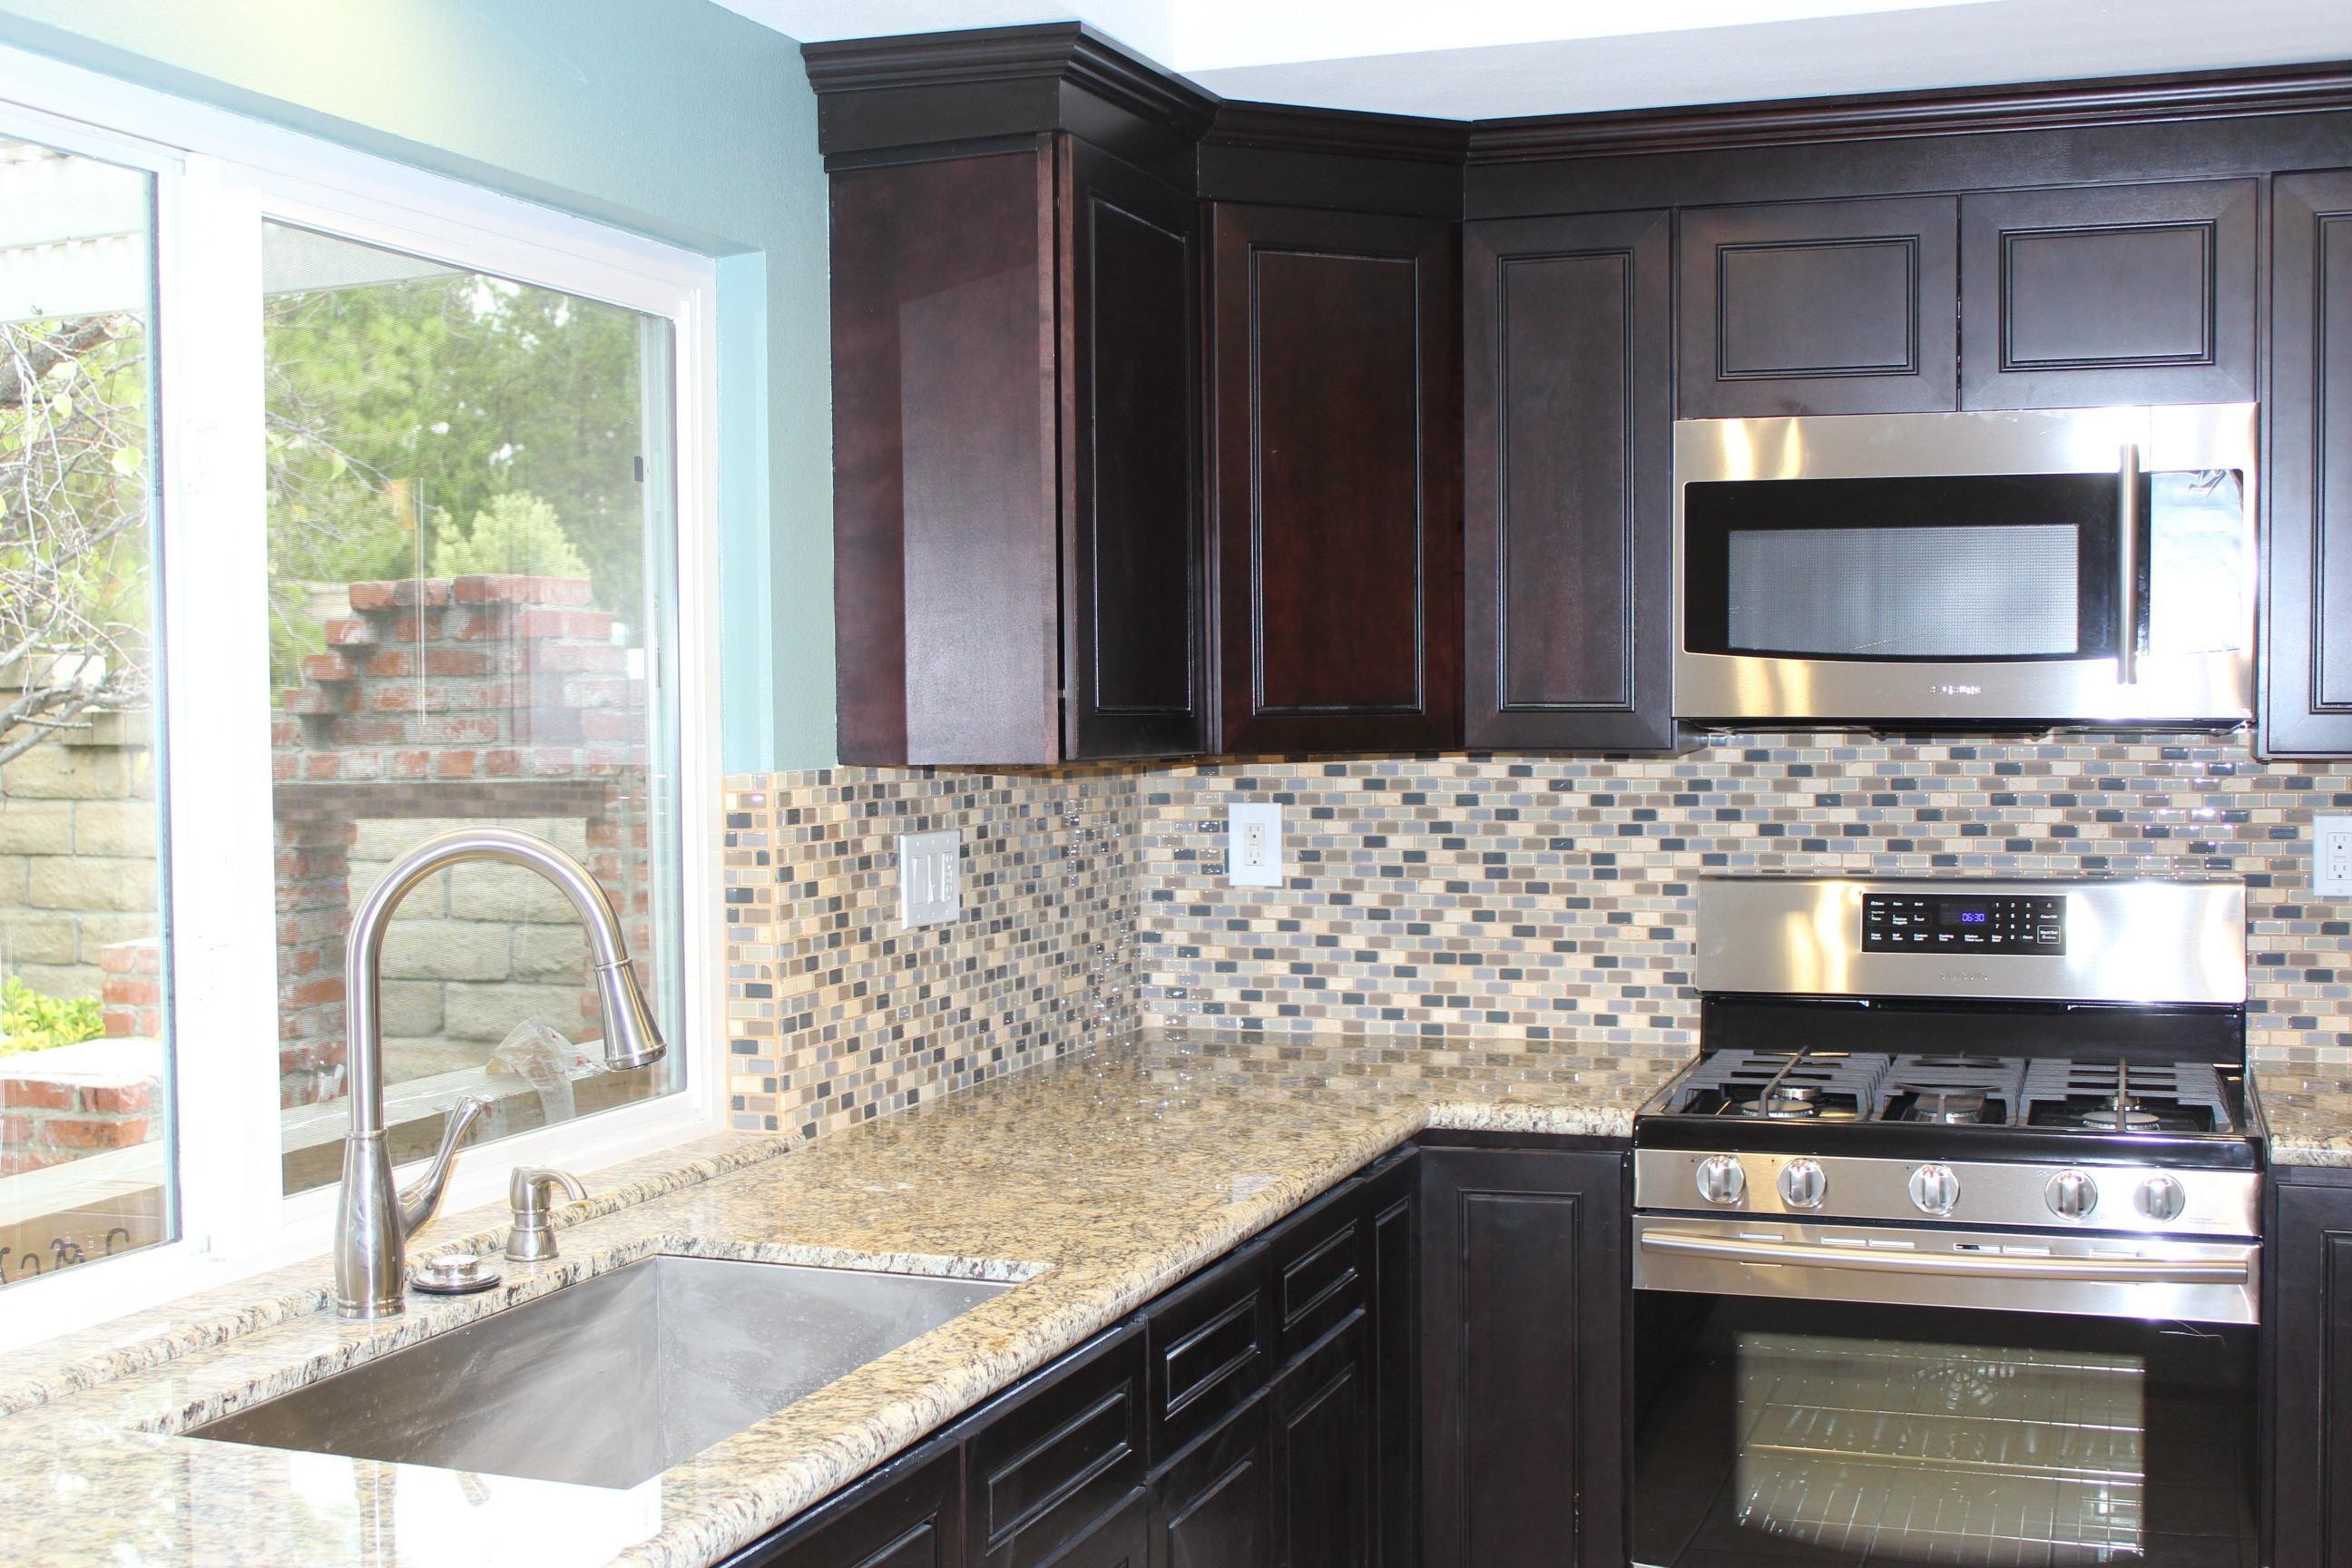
{"type": "Point", "coordinates": [1068, 53]}
{"type": "Point", "coordinates": [1940, 111]}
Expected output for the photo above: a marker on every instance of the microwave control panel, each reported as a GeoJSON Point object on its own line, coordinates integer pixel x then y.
{"type": "Point", "coordinates": [1939, 922]}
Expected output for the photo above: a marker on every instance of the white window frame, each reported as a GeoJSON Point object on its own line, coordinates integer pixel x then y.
{"type": "Point", "coordinates": [217, 176]}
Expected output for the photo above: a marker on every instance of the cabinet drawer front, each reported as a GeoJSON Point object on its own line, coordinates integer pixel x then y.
{"type": "Point", "coordinates": [1044, 1466]}
{"type": "Point", "coordinates": [909, 1514]}
{"type": "Point", "coordinates": [1315, 1260]}
{"type": "Point", "coordinates": [1210, 1348]}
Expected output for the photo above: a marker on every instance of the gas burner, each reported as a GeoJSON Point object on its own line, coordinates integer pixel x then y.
{"type": "Point", "coordinates": [1786, 1102]}
{"type": "Point", "coordinates": [2123, 1116]}
{"type": "Point", "coordinates": [1949, 1106]}
{"type": "Point", "coordinates": [1964, 1063]}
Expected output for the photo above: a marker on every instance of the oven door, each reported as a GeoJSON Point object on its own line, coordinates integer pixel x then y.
{"type": "Point", "coordinates": [2061, 566]}
{"type": "Point", "coordinates": [1776, 1424]}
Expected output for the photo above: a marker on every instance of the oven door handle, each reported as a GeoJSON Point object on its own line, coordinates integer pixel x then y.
{"type": "Point", "coordinates": [2104, 1270]}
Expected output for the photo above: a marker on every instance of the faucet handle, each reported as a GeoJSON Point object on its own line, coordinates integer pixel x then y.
{"type": "Point", "coordinates": [530, 1193]}
{"type": "Point", "coordinates": [418, 1201]}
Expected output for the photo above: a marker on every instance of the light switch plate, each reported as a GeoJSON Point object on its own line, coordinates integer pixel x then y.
{"type": "Point", "coordinates": [930, 878]}
{"type": "Point", "coordinates": [1254, 843]}
{"type": "Point", "coordinates": [2331, 855]}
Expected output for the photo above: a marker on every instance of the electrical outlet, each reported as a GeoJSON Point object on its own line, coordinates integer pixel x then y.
{"type": "Point", "coordinates": [930, 878]}
{"type": "Point", "coordinates": [2331, 854]}
{"type": "Point", "coordinates": [1254, 843]}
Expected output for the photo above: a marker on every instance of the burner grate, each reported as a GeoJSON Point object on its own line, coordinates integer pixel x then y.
{"type": "Point", "coordinates": [1833, 1085]}
{"type": "Point", "coordinates": [1937, 1088]}
{"type": "Point", "coordinates": [2177, 1097]}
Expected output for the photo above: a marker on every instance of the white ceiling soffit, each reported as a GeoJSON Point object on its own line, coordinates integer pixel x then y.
{"type": "Point", "coordinates": [1482, 60]}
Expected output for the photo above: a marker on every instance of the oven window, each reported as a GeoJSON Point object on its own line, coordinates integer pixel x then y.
{"type": "Point", "coordinates": [1819, 1433]}
{"type": "Point", "coordinates": [1964, 568]}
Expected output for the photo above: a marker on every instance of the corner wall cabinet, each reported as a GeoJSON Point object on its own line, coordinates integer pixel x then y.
{"type": "Point", "coordinates": [2307, 665]}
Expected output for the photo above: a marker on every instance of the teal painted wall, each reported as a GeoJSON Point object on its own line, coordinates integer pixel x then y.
{"type": "Point", "coordinates": [672, 117]}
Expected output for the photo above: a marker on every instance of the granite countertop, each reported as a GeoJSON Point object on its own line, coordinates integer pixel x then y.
{"type": "Point", "coordinates": [1094, 1183]}
{"type": "Point", "coordinates": [2308, 1107]}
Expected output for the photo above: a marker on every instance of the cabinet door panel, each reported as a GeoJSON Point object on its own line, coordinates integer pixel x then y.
{"type": "Point", "coordinates": [2309, 1311]}
{"type": "Point", "coordinates": [2306, 666]}
{"type": "Point", "coordinates": [1338, 490]}
{"type": "Point", "coordinates": [1213, 1508]}
{"type": "Point", "coordinates": [1523, 1388]}
{"type": "Point", "coordinates": [1568, 415]}
{"type": "Point", "coordinates": [1120, 1539]}
{"type": "Point", "coordinates": [1322, 1454]}
{"type": "Point", "coordinates": [1396, 1362]}
{"type": "Point", "coordinates": [1133, 541]}
{"type": "Point", "coordinates": [1820, 308]}
{"type": "Point", "coordinates": [908, 1515]}
{"type": "Point", "coordinates": [2108, 294]}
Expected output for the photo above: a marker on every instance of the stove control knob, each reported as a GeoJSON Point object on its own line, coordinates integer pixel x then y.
{"type": "Point", "coordinates": [1721, 1181]}
{"type": "Point", "coordinates": [1935, 1190]}
{"type": "Point", "coordinates": [1804, 1184]}
{"type": "Point", "coordinates": [2072, 1194]}
{"type": "Point", "coordinates": [2160, 1198]}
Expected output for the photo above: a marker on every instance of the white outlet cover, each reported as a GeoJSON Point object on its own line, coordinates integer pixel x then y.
{"type": "Point", "coordinates": [930, 878]}
{"type": "Point", "coordinates": [2331, 857]}
{"type": "Point", "coordinates": [1254, 843]}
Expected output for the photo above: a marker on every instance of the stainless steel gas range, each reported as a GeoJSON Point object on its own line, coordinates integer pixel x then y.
{"type": "Point", "coordinates": [1947, 1248]}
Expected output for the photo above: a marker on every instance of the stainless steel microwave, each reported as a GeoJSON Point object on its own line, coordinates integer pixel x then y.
{"type": "Point", "coordinates": [2048, 567]}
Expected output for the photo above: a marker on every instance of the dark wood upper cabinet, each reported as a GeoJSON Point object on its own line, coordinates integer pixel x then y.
{"type": "Point", "coordinates": [2307, 665]}
{"type": "Point", "coordinates": [1842, 307]}
{"type": "Point", "coordinates": [1567, 419]}
{"type": "Point", "coordinates": [1337, 492]}
{"type": "Point", "coordinates": [1016, 476]}
{"type": "Point", "coordinates": [1524, 1287]}
{"type": "Point", "coordinates": [2107, 294]}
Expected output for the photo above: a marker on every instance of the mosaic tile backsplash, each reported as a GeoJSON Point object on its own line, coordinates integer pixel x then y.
{"type": "Point", "coordinates": [834, 1014]}
{"type": "Point", "coordinates": [1448, 897]}
{"type": "Point", "coordinates": [1546, 896]}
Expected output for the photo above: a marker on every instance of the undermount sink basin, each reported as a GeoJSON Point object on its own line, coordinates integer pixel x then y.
{"type": "Point", "coordinates": [612, 1381]}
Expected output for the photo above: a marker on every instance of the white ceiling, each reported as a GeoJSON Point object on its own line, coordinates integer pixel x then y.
{"type": "Point", "coordinates": [1476, 59]}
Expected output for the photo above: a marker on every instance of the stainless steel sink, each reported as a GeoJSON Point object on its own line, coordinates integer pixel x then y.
{"type": "Point", "coordinates": [613, 1380]}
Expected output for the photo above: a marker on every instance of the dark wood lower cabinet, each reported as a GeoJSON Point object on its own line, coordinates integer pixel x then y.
{"type": "Point", "coordinates": [1478, 1286]}
{"type": "Point", "coordinates": [2307, 1361]}
{"type": "Point", "coordinates": [1523, 1362]}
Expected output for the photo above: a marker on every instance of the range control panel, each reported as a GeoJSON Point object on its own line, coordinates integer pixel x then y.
{"type": "Point", "coordinates": [1929, 922]}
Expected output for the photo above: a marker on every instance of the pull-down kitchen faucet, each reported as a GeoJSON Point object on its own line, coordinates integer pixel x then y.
{"type": "Point", "coordinates": [373, 1221]}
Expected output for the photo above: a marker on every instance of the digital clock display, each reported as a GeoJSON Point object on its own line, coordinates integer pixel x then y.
{"type": "Point", "coordinates": [2019, 924]}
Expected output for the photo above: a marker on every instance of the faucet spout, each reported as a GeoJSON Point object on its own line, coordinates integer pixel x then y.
{"type": "Point", "coordinates": [373, 1222]}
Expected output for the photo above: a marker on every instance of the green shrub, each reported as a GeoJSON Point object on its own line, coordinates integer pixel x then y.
{"type": "Point", "coordinates": [516, 535]}
{"type": "Point", "coordinates": [30, 1021]}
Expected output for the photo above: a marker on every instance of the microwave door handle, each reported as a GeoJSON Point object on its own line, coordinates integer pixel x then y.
{"type": "Point", "coordinates": [2127, 608]}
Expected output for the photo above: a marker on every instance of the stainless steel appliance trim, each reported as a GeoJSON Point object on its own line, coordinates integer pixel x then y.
{"type": "Point", "coordinates": [2140, 941]}
{"type": "Point", "coordinates": [2202, 688]}
{"type": "Point", "coordinates": [2089, 1271]}
{"type": "Point", "coordinates": [2127, 568]}
{"type": "Point", "coordinates": [2216, 1202]}
{"type": "Point", "coordinates": [2077, 1276]}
